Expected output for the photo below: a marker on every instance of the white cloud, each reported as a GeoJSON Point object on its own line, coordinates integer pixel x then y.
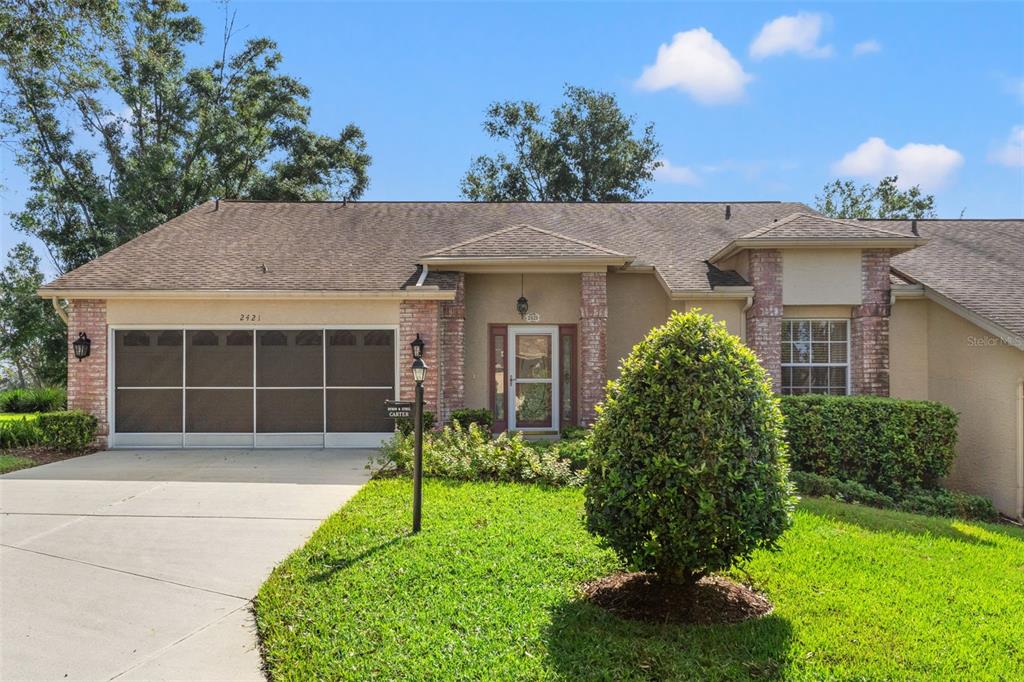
{"type": "Point", "coordinates": [679, 175]}
{"type": "Point", "coordinates": [698, 65]}
{"type": "Point", "coordinates": [866, 47]}
{"type": "Point", "coordinates": [798, 33]}
{"type": "Point", "coordinates": [1011, 152]}
{"type": "Point", "coordinates": [928, 165]}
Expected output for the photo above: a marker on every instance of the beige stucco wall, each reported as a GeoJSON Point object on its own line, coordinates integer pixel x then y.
{"type": "Point", "coordinates": [233, 312]}
{"type": "Point", "coordinates": [636, 303]}
{"type": "Point", "coordinates": [728, 311]}
{"type": "Point", "coordinates": [821, 277]}
{"type": "Point", "coordinates": [908, 349]}
{"type": "Point", "coordinates": [979, 376]}
{"type": "Point", "coordinates": [819, 312]}
{"type": "Point", "coordinates": [491, 299]}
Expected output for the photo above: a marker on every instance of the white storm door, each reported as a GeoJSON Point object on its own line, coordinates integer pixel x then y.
{"type": "Point", "coordinates": [533, 374]}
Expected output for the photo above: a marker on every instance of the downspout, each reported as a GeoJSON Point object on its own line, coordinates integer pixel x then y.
{"type": "Point", "coordinates": [746, 306]}
{"type": "Point", "coordinates": [424, 268]}
{"type": "Point", "coordinates": [1020, 451]}
{"type": "Point", "coordinates": [60, 311]}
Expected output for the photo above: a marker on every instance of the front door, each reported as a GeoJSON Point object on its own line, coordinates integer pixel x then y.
{"type": "Point", "coordinates": [533, 385]}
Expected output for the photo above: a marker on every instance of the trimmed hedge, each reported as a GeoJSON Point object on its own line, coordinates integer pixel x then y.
{"type": "Point", "coordinates": [480, 416]}
{"type": "Point", "coordinates": [67, 430]}
{"type": "Point", "coordinates": [23, 400]}
{"type": "Point", "coordinates": [936, 502]}
{"type": "Point", "coordinates": [887, 444]}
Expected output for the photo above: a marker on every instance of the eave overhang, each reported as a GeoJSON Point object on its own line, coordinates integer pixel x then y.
{"type": "Point", "coordinates": [896, 244]}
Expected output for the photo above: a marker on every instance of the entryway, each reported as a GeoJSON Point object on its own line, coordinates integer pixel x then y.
{"type": "Point", "coordinates": [533, 385]}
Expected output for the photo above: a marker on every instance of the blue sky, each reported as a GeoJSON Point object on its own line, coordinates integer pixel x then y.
{"type": "Point", "coordinates": [750, 101]}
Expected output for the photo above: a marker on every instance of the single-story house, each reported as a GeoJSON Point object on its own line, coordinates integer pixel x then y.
{"type": "Point", "coordinates": [254, 324]}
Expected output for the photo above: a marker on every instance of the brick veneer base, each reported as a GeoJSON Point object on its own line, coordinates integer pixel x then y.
{"type": "Point", "coordinates": [764, 319]}
{"type": "Point", "coordinates": [869, 327]}
{"type": "Point", "coordinates": [593, 351]}
{"type": "Point", "coordinates": [87, 379]}
{"type": "Point", "coordinates": [453, 350]}
{"type": "Point", "coordinates": [420, 317]}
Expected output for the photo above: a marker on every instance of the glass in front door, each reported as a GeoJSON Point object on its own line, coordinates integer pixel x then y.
{"type": "Point", "coordinates": [534, 391]}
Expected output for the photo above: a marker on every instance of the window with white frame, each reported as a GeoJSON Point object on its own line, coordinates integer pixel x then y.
{"type": "Point", "coordinates": [815, 357]}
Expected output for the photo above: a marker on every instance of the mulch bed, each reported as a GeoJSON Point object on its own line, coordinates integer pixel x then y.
{"type": "Point", "coordinates": [641, 596]}
{"type": "Point", "coordinates": [44, 455]}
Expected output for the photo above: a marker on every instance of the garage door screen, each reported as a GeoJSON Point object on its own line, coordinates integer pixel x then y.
{"type": "Point", "coordinates": [252, 387]}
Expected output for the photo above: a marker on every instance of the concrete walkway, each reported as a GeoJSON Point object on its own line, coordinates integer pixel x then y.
{"type": "Point", "coordinates": [140, 565]}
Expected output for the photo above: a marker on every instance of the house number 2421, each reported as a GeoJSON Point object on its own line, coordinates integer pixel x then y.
{"type": "Point", "coordinates": [249, 317]}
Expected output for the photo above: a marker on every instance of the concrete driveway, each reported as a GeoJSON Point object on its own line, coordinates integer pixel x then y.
{"type": "Point", "coordinates": [140, 565]}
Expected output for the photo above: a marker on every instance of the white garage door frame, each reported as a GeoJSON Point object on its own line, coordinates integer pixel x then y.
{"type": "Point", "coordinates": [322, 439]}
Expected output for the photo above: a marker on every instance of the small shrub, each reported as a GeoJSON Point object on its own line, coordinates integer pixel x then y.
{"type": "Point", "coordinates": [19, 433]}
{"type": "Point", "coordinates": [406, 425]}
{"type": "Point", "coordinates": [480, 416]}
{"type": "Point", "coordinates": [574, 433]}
{"type": "Point", "coordinates": [473, 455]}
{"type": "Point", "coordinates": [22, 400]}
{"type": "Point", "coordinates": [67, 430]}
{"type": "Point", "coordinates": [688, 466]}
{"type": "Point", "coordinates": [815, 485]}
{"type": "Point", "coordinates": [941, 502]}
{"type": "Point", "coordinates": [933, 502]}
{"type": "Point", "coordinates": [887, 444]}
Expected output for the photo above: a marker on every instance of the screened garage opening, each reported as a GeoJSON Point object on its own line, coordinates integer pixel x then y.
{"type": "Point", "coordinates": [252, 387]}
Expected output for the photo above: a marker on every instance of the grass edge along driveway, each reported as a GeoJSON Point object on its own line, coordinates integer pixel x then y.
{"type": "Point", "coordinates": [488, 591]}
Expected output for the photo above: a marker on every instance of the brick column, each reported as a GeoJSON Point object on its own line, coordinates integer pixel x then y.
{"type": "Point", "coordinates": [420, 317]}
{"type": "Point", "coordinates": [764, 319]}
{"type": "Point", "coordinates": [453, 351]}
{"type": "Point", "coordinates": [593, 353]}
{"type": "Point", "coordinates": [869, 327]}
{"type": "Point", "coordinates": [87, 379]}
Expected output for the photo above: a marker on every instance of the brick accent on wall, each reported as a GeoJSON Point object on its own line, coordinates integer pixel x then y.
{"type": "Point", "coordinates": [764, 319]}
{"type": "Point", "coordinates": [420, 317]}
{"type": "Point", "coordinates": [593, 332]}
{"type": "Point", "coordinates": [87, 379]}
{"type": "Point", "coordinates": [453, 351]}
{"type": "Point", "coordinates": [869, 327]}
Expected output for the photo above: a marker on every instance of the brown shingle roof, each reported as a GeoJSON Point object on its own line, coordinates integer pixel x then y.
{"type": "Point", "coordinates": [976, 263]}
{"type": "Point", "coordinates": [814, 226]}
{"type": "Point", "coordinates": [524, 241]}
{"type": "Point", "coordinates": [362, 246]}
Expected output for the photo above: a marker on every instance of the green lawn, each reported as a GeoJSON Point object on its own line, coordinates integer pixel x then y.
{"type": "Point", "coordinates": [488, 591]}
{"type": "Point", "coordinates": [9, 463]}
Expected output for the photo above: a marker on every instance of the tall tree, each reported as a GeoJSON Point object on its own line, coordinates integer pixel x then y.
{"type": "Point", "coordinates": [586, 151]}
{"type": "Point", "coordinates": [32, 336]}
{"type": "Point", "coordinates": [843, 199]}
{"type": "Point", "coordinates": [118, 135]}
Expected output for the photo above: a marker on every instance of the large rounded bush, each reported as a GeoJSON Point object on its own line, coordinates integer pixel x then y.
{"type": "Point", "coordinates": [688, 471]}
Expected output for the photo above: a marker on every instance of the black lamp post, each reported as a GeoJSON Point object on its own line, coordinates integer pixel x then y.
{"type": "Point", "coordinates": [419, 373]}
{"type": "Point", "coordinates": [82, 346]}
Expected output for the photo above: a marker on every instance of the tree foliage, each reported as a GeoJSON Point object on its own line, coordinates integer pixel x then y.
{"type": "Point", "coordinates": [585, 151]}
{"type": "Point", "coordinates": [117, 134]}
{"type": "Point", "coordinates": [843, 199]}
{"type": "Point", "coordinates": [688, 471]}
{"type": "Point", "coordinates": [32, 336]}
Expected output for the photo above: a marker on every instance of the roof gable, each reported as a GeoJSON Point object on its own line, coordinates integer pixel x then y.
{"type": "Point", "coordinates": [812, 226]}
{"type": "Point", "coordinates": [523, 241]}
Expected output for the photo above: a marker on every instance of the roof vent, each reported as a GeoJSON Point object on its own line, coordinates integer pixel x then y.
{"type": "Point", "coordinates": [913, 228]}
{"type": "Point", "coordinates": [216, 203]}
{"type": "Point", "coordinates": [263, 268]}
{"type": "Point", "coordinates": [728, 211]}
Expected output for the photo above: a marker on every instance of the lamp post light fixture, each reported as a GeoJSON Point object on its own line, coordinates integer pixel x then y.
{"type": "Point", "coordinates": [419, 373]}
{"type": "Point", "coordinates": [82, 346]}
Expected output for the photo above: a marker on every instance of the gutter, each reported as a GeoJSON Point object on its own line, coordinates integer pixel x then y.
{"type": "Point", "coordinates": [424, 269]}
{"type": "Point", "coordinates": [59, 309]}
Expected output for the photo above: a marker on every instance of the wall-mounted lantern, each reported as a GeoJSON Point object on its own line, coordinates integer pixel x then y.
{"type": "Point", "coordinates": [522, 305]}
{"type": "Point", "coordinates": [417, 348]}
{"type": "Point", "coordinates": [82, 346]}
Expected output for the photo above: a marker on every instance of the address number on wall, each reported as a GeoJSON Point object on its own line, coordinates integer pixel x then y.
{"type": "Point", "coordinates": [532, 317]}
{"type": "Point", "coordinates": [249, 317]}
